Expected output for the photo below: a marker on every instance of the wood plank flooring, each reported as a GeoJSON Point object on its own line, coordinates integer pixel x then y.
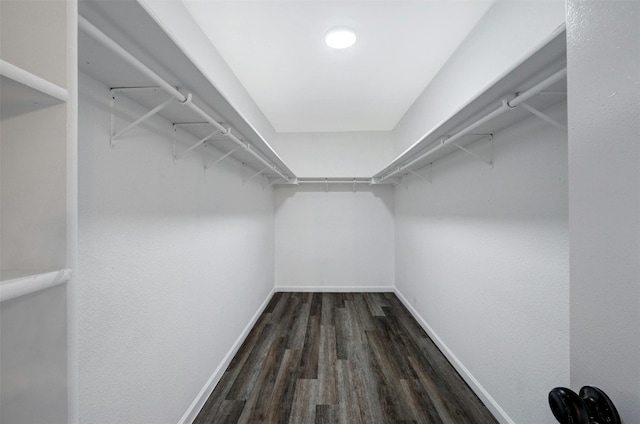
{"type": "Point", "coordinates": [352, 358]}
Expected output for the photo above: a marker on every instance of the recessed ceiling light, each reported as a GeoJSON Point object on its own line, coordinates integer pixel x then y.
{"type": "Point", "coordinates": [340, 38]}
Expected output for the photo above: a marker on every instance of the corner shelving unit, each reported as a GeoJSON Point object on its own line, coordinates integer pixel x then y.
{"type": "Point", "coordinates": [37, 147]}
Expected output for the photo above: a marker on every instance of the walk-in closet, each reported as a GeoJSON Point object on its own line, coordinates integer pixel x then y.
{"type": "Point", "coordinates": [209, 215]}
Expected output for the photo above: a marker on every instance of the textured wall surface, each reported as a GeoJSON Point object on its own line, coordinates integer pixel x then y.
{"type": "Point", "coordinates": [482, 256]}
{"type": "Point", "coordinates": [603, 39]}
{"type": "Point", "coordinates": [338, 239]}
{"type": "Point", "coordinates": [174, 263]}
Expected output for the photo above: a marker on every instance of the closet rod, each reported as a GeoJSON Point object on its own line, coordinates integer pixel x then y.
{"type": "Point", "coordinates": [98, 35]}
{"type": "Point", "coordinates": [342, 181]}
{"type": "Point", "coordinates": [506, 106]}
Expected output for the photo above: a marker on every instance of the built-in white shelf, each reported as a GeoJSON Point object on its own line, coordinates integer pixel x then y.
{"type": "Point", "coordinates": [540, 77]}
{"type": "Point", "coordinates": [132, 58]}
{"type": "Point", "coordinates": [21, 91]}
{"type": "Point", "coordinates": [20, 283]}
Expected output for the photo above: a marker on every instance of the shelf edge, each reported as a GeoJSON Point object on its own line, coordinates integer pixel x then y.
{"type": "Point", "coordinates": [35, 82]}
{"type": "Point", "coordinates": [10, 289]}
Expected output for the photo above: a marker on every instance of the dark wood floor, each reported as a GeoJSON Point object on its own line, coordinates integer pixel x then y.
{"type": "Point", "coordinates": [353, 358]}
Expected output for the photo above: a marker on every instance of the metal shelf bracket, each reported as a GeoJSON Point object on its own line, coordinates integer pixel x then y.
{"type": "Point", "coordinates": [220, 159]}
{"type": "Point", "coordinates": [543, 116]}
{"type": "Point", "coordinates": [116, 135]}
{"type": "Point", "coordinates": [202, 141]}
{"type": "Point", "coordinates": [256, 174]}
{"type": "Point", "coordinates": [477, 156]}
{"type": "Point", "coordinates": [427, 179]}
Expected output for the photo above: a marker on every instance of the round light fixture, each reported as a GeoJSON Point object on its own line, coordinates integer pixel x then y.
{"type": "Point", "coordinates": [340, 38]}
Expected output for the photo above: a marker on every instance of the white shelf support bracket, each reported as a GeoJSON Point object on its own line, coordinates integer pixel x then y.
{"type": "Point", "coordinates": [175, 142]}
{"type": "Point", "coordinates": [112, 124]}
{"type": "Point", "coordinates": [419, 175]}
{"type": "Point", "coordinates": [138, 121]}
{"type": "Point", "coordinates": [477, 156]}
{"type": "Point", "coordinates": [202, 141]}
{"type": "Point", "coordinates": [220, 159]}
{"type": "Point", "coordinates": [543, 116]}
{"type": "Point", "coordinates": [256, 174]}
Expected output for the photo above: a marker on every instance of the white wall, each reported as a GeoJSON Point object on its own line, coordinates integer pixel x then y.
{"type": "Point", "coordinates": [336, 240]}
{"type": "Point", "coordinates": [482, 257]}
{"type": "Point", "coordinates": [174, 263]}
{"type": "Point", "coordinates": [335, 154]}
{"type": "Point", "coordinates": [504, 36]}
{"type": "Point", "coordinates": [603, 40]}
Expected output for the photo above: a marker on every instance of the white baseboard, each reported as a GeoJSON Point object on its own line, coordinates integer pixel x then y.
{"type": "Point", "coordinates": [205, 392]}
{"type": "Point", "coordinates": [336, 289]}
{"type": "Point", "coordinates": [475, 385]}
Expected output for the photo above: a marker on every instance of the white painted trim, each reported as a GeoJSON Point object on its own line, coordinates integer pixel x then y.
{"type": "Point", "coordinates": [336, 289]}
{"type": "Point", "coordinates": [73, 395]}
{"type": "Point", "coordinates": [192, 412]}
{"type": "Point", "coordinates": [16, 287]}
{"type": "Point", "coordinates": [475, 385]}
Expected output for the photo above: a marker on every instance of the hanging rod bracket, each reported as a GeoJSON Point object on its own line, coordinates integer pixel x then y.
{"type": "Point", "coordinates": [202, 141]}
{"type": "Point", "coordinates": [187, 100]}
{"type": "Point", "coordinates": [220, 159]}
{"type": "Point", "coordinates": [543, 116]}
{"type": "Point", "coordinates": [256, 174]}
{"type": "Point", "coordinates": [477, 156]}
{"type": "Point", "coordinates": [419, 175]}
{"type": "Point", "coordinates": [506, 105]}
{"type": "Point", "coordinates": [116, 135]}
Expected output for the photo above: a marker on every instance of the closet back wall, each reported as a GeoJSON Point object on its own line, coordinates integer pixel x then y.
{"type": "Point", "coordinates": [335, 240]}
{"type": "Point", "coordinates": [175, 263]}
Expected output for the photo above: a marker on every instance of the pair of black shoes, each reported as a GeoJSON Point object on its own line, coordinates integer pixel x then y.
{"type": "Point", "coordinates": [591, 406]}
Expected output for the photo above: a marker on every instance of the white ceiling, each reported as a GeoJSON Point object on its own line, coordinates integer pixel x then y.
{"type": "Point", "coordinates": [277, 51]}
